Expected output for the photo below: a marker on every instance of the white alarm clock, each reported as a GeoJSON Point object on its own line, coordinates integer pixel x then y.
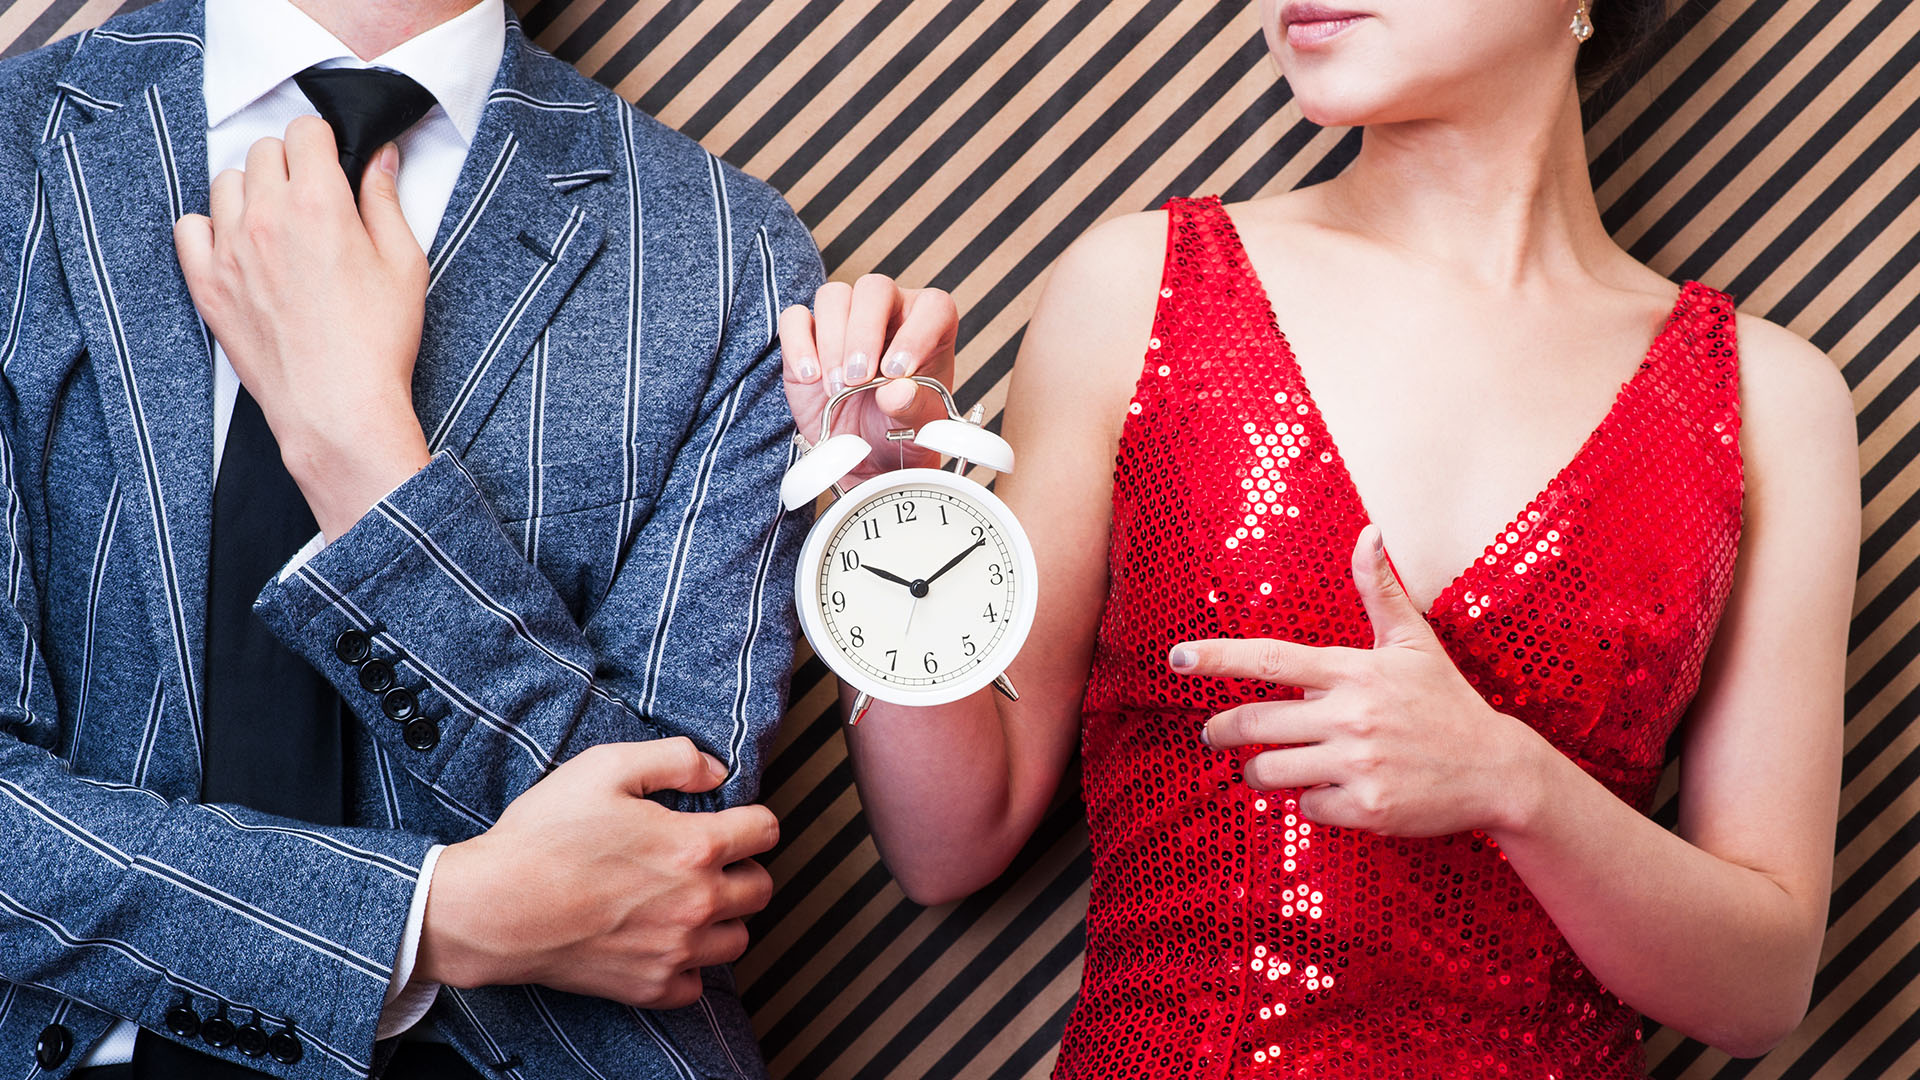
{"type": "Point", "coordinates": [917, 587]}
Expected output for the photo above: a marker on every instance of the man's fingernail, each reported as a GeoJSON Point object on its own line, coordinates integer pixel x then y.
{"type": "Point", "coordinates": [856, 368]}
{"type": "Point", "coordinates": [1181, 658]}
{"type": "Point", "coordinates": [389, 160]}
{"type": "Point", "coordinates": [895, 366]}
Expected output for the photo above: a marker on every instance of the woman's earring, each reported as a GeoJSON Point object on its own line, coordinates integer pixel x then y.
{"type": "Point", "coordinates": [1582, 26]}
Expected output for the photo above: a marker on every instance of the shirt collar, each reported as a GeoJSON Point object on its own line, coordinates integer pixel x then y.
{"type": "Point", "coordinates": [255, 45]}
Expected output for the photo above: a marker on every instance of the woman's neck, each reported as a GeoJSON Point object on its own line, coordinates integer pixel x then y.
{"type": "Point", "coordinates": [373, 27]}
{"type": "Point", "coordinates": [1499, 199]}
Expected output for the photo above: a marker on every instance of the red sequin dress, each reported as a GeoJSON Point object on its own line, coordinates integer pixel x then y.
{"type": "Point", "coordinates": [1229, 937]}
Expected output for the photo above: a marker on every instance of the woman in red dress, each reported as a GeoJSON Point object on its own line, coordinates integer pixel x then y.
{"type": "Point", "coordinates": [1361, 817]}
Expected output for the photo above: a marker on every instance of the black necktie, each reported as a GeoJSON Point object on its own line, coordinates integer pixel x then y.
{"type": "Point", "coordinates": [276, 733]}
{"type": "Point", "coordinates": [367, 107]}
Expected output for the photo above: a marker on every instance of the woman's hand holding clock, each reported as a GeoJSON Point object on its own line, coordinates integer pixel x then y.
{"type": "Point", "coordinates": [855, 333]}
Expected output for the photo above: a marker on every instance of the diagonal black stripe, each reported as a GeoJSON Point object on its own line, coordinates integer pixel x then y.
{"type": "Point", "coordinates": [923, 957]}
{"type": "Point", "coordinates": [797, 104]}
{"type": "Point", "coordinates": [695, 60]}
{"type": "Point", "coordinates": [954, 138]}
{"type": "Point", "coordinates": [1679, 23]}
{"type": "Point", "coordinates": [1868, 228]}
{"type": "Point", "coordinates": [978, 968]}
{"type": "Point", "coordinates": [1038, 1045]}
{"type": "Point", "coordinates": [1714, 119]}
{"type": "Point", "coordinates": [1875, 740]}
{"type": "Point", "coordinates": [1065, 162]}
{"type": "Point", "coordinates": [978, 53]}
{"type": "Point", "coordinates": [48, 23]}
{"type": "Point", "coordinates": [1862, 163]}
{"type": "Point", "coordinates": [789, 108]}
{"type": "Point", "coordinates": [1906, 379]}
{"type": "Point", "coordinates": [1876, 997]}
{"type": "Point", "coordinates": [1755, 139]}
{"type": "Point", "coordinates": [1022, 994]}
{"type": "Point", "coordinates": [1873, 869]}
{"type": "Point", "coordinates": [1683, 84]}
{"type": "Point", "coordinates": [637, 48]}
{"type": "Point", "coordinates": [950, 931]}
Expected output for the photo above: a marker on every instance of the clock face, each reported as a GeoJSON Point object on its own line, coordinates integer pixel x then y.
{"type": "Point", "coordinates": [922, 588]}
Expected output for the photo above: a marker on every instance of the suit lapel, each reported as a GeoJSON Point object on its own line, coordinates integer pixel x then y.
{"type": "Point", "coordinates": [509, 248]}
{"type": "Point", "coordinates": [115, 187]}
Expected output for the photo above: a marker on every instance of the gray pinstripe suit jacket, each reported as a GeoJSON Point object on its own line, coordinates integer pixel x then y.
{"type": "Point", "coordinates": [595, 554]}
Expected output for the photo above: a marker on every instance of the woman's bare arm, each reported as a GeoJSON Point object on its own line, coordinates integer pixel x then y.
{"type": "Point", "coordinates": [1716, 930]}
{"type": "Point", "coordinates": [952, 792]}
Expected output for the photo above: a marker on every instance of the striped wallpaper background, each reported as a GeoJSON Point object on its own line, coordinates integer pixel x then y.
{"type": "Point", "coordinates": [1773, 151]}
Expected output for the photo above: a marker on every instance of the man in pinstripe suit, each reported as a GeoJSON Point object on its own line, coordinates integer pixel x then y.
{"type": "Point", "coordinates": [566, 556]}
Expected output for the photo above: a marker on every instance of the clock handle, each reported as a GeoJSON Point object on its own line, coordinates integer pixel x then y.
{"type": "Point", "coordinates": [928, 381]}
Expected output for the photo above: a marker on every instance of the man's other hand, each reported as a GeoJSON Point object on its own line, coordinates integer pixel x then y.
{"type": "Point", "coordinates": [586, 885]}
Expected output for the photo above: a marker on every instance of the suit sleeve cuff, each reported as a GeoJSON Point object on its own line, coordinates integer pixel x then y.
{"type": "Point", "coordinates": [408, 999]}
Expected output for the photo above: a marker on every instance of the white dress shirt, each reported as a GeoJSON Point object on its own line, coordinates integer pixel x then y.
{"type": "Point", "coordinates": [253, 50]}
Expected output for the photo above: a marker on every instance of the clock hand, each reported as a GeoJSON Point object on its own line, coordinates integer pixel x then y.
{"type": "Point", "coordinates": [955, 561]}
{"type": "Point", "coordinates": [895, 578]}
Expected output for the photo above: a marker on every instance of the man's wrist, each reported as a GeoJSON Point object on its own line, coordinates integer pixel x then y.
{"type": "Point", "coordinates": [450, 953]}
{"type": "Point", "coordinates": [343, 473]}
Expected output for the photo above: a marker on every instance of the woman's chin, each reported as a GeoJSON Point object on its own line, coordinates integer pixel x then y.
{"type": "Point", "coordinates": [1357, 102]}
{"type": "Point", "coordinates": [1339, 110]}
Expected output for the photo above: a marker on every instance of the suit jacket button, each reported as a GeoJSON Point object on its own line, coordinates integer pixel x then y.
{"type": "Point", "coordinates": [376, 675]}
{"type": "Point", "coordinates": [219, 1032]}
{"type": "Point", "coordinates": [400, 704]}
{"type": "Point", "coordinates": [284, 1045]}
{"type": "Point", "coordinates": [183, 1021]}
{"type": "Point", "coordinates": [53, 1046]}
{"type": "Point", "coordinates": [422, 734]}
{"type": "Point", "coordinates": [252, 1039]}
{"type": "Point", "coordinates": [353, 646]}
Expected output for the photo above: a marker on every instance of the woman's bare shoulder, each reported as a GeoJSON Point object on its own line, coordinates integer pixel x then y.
{"type": "Point", "coordinates": [1790, 391]}
{"type": "Point", "coordinates": [1123, 255]}
{"type": "Point", "coordinates": [1096, 309]}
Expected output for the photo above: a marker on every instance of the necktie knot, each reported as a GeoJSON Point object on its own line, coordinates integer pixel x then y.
{"type": "Point", "coordinates": [367, 109]}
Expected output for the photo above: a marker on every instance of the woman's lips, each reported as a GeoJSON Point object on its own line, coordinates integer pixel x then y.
{"type": "Point", "coordinates": [1310, 24]}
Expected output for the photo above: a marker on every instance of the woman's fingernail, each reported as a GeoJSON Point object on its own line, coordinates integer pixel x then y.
{"type": "Point", "coordinates": [389, 160]}
{"type": "Point", "coordinates": [1379, 543]}
{"type": "Point", "coordinates": [856, 368]}
{"type": "Point", "coordinates": [1181, 658]}
{"type": "Point", "coordinates": [1204, 736]}
{"type": "Point", "coordinates": [895, 366]}
{"type": "Point", "coordinates": [805, 370]}
{"type": "Point", "coordinates": [835, 381]}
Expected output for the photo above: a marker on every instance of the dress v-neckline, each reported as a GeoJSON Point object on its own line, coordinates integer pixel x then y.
{"type": "Point", "coordinates": [1674, 325]}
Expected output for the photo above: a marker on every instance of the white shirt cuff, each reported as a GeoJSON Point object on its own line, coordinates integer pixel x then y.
{"type": "Point", "coordinates": [409, 999]}
{"type": "Point", "coordinates": [306, 552]}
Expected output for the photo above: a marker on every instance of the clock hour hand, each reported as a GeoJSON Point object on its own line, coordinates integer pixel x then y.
{"type": "Point", "coordinates": [955, 561]}
{"type": "Point", "coordinates": [895, 578]}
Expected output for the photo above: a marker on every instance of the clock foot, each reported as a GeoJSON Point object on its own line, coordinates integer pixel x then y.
{"type": "Point", "coordinates": [1005, 686]}
{"type": "Point", "coordinates": [860, 703]}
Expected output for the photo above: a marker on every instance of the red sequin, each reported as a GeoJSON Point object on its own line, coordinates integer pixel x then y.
{"type": "Point", "coordinates": [1229, 937]}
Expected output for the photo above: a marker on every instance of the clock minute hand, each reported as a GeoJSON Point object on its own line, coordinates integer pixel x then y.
{"type": "Point", "coordinates": [897, 579]}
{"type": "Point", "coordinates": [955, 561]}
